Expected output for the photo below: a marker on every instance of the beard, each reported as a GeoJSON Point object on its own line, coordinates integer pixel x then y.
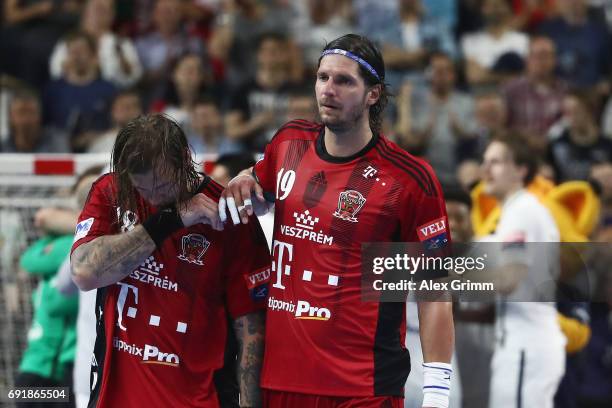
{"type": "Point", "coordinates": [343, 123]}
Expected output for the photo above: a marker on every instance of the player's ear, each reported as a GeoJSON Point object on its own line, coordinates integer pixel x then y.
{"type": "Point", "coordinates": [374, 94]}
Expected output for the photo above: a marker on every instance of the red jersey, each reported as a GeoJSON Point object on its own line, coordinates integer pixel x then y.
{"type": "Point", "coordinates": [320, 337]}
{"type": "Point", "coordinates": [162, 331]}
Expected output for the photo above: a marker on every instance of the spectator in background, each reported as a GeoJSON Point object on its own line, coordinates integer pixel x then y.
{"type": "Point", "coordinates": [602, 175]}
{"type": "Point", "coordinates": [535, 100]}
{"type": "Point", "coordinates": [126, 106]}
{"type": "Point", "coordinates": [200, 15]}
{"type": "Point", "coordinates": [606, 119]}
{"type": "Point", "coordinates": [441, 119]}
{"type": "Point", "coordinates": [29, 32]}
{"type": "Point", "coordinates": [117, 56]}
{"type": "Point", "coordinates": [528, 14]}
{"type": "Point", "coordinates": [78, 102]}
{"type": "Point", "coordinates": [301, 104]}
{"type": "Point", "coordinates": [258, 107]}
{"type": "Point", "coordinates": [228, 166]}
{"type": "Point", "coordinates": [66, 219]}
{"type": "Point", "coordinates": [206, 132]}
{"type": "Point", "coordinates": [491, 114]}
{"type": "Point", "coordinates": [603, 9]}
{"type": "Point", "coordinates": [469, 17]}
{"type": "Point", "coordinates": [409, 38]}
{"type": "Point", "coordinates": [49, 356]}
{"type": "Point", "coordinates": [26, 133]}
{"type": "Point", "coordinates": [165, 44]}
{"type": "Point", "coordinates": [583, 46]}
{"type": "Point", "coordinates": [189, 81]}
{"type": "Point", "coordinates": [497, 47]}
{"type": "Point", "coordinates": [371, 15]}
{"type": "Point", "coordinates": [315, 22]}
{"type": "Point", "coordinates": [445, 10]}
{"type": "Point", "coordinates": [575, 323]}
{"type": "Point", "coordinates": [529, 357]}
{"type": "Point", "coordinates": [135, 18]}
{"type": "Point", "coordinates": [580, 144]}
{"type": "Point", "coordinates": [595, 390]}
{"type": "Point", "coordinates": [237, 29]}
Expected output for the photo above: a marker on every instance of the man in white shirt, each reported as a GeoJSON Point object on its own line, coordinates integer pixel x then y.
{"type": "Point", "coordinates": [529, 357]}
{"type": "Point", "coordinates": [483, 49]}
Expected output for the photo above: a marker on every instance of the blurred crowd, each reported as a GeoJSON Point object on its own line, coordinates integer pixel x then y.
{"type": "Point", "coordinates": [231, 72]}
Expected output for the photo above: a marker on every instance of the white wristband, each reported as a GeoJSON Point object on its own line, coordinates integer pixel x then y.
{"type": "Point", "coordinates": [436, 384]}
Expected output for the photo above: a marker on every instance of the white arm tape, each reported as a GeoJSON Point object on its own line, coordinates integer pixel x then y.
{"type": "Point", "coordinates": [436, 384]}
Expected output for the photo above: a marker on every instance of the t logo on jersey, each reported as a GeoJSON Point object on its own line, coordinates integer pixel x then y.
{"type": "Point", "coordinates": [349, 204]}
{"type": "Point", "coordinates": [369, 172]}
{"type": "Point", "coordinates": [193, 246]}
{"type": "Point", "coordinates": [433, 234]}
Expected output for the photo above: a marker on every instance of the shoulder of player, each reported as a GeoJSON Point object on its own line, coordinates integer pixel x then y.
{"type": "Point", "coordinates": [409, 169]}
{"type": "Point", "coordinates": [297, 129]}
{"type": "Point", "coordinates": [104, 185]}
{"type": "Point", "coordinates": [106, 179]}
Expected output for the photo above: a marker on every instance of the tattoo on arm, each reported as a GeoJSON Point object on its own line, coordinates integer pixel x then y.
{"type": "Point", "coordinates": [110, 258]}
{"type": "Point", "coordinates": [249, 331]}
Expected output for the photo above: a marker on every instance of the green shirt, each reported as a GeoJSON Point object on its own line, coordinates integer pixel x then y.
{"type": "Point", "coordinates": [52, 337]}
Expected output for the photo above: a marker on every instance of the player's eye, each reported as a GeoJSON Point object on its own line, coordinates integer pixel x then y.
{"type": "Point", "coordinates": [322, 77]}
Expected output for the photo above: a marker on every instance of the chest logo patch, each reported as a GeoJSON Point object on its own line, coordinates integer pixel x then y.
{"type": "Point", "coordinates": [349, 204]}
{"type": "Point", "coordinates": [316, 187]}
{"type": "Point", "coordinates": [193, 248]}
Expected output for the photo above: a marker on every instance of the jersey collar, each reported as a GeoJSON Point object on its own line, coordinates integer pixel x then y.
{"type": "Point", "coordinates": [324, 155]}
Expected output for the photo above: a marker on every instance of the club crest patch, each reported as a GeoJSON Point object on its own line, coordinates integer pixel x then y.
{"type": "Point", "coordinates": [349, 204]}
{"type": "Point", "coordinates": [193, 247]}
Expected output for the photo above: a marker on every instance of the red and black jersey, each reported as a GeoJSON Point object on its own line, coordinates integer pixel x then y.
{"type": "Point", "coordinates": [320, 337]}
{"type": "Point", "coordinates": [162, 330]}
